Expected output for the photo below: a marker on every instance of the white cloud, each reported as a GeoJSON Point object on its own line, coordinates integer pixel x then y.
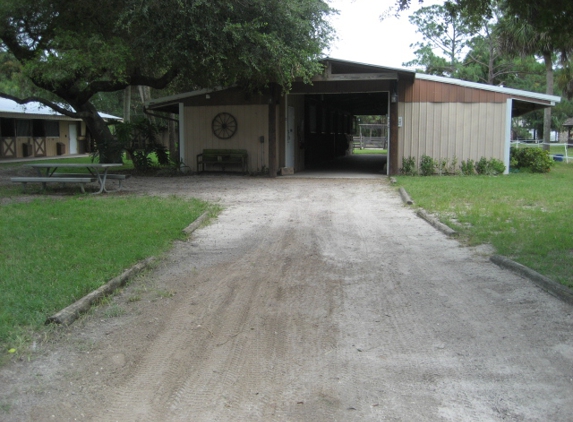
{"type": "Point", "coordinates": [362, 37]}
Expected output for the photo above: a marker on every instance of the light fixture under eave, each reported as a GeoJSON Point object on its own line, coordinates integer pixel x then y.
{"type": "Point", "coordinates": [208, 97]}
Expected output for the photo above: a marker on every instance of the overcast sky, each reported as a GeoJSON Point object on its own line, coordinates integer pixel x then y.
{"type": "Point", "coordinates": [364, 38]}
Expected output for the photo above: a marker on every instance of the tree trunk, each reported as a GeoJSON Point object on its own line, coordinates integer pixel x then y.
{"type": "Point", "coordinates": [127, 104]}
{"type": "Point", "coordinates": [549, 90]}
{"type": "Point", "coordinates": [106, 145]}
{"type": "Point", "coordinates": [145, 96]}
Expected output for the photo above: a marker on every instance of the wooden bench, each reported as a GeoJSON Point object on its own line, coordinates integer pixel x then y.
{"type": "Point", "coordinates": [44, 180]}
{"type": "Point", "coordinates": [223, 158]}
{"type": "Point", "coordinates": [118, 177]}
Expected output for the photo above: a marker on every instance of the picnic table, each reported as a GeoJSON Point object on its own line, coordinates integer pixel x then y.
{"type": "Point", "coordinates": [96, 172]}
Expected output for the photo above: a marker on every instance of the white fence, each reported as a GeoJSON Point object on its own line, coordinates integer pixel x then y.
{"type": "Point", "coordinates": [557, 151]}
{"type": "Point", "coordinates": [372, 136]}
{"type": "Point", "coordinates": [370, 142]}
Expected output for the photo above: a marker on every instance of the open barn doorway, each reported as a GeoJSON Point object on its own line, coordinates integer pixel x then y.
{"type": "Point", "coordinates": [337, 135]}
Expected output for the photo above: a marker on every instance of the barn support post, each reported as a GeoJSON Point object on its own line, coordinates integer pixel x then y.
{"type": "Point", "coordinates": [273, 169]}
{"type": "Point", "coordinates": [393, 150]}
{"type": "Point", "coordinates": [182, 139]}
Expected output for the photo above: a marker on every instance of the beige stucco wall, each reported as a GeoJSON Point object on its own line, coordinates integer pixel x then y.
{"type": "Point", "coordinates": [251, 125]}
{"type": "Point", "coordinates": [448, 130]}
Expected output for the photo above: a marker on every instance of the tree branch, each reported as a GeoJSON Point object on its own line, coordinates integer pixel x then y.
{"type": "Point", "coordinates": [134, 80]}
{"type": "Point", "coordinates": [47, 103]}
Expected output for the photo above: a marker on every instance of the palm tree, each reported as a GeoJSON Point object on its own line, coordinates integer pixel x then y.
{"type": "Point", "coordinates": [518, 37]}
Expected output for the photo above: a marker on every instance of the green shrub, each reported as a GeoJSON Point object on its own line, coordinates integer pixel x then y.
{"type": "Point", "coordinates": [442, 166]}
{"type": "Point", "coordinates": [496, 166]}
{"type": "Point", "coordinates": [468, 167]}
{"type": "Point", "coordinates": [140, 139]}
{"type": "Point", "coordinates": [409, 166]}
{"type": "Point", "coordinates": [427, 165]}
{"type": "Point", "coordinates": [490, 167]}
{"type": "Point", "coordinates": [452, 169]}
{"type": "Point", "coordinates": [536, 160]}
{"type": "Point", "coordinates": [481, 166]}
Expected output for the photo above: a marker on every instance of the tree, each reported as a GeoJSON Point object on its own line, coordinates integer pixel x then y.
{"type": "Point", "coordinates": [519, 37]}
{"type": "Point", "coordinates": [72, 51]}
{"type": "Point", "coordinates": [544, 15]}
{"type": "Point", "coordinates": [444, 30]}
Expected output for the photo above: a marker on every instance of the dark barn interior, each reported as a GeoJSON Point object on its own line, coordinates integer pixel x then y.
{"type": "Point", "coordinates": [330, 124]}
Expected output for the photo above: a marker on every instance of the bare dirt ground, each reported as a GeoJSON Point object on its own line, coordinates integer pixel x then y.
{"type": "Point", "coordinates": [306, 300]}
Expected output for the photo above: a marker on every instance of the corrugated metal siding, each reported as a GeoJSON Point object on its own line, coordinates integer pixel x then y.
{"type": "Point", "coordinates": [445, 130]}
{"type": "Point", "coordinates": [438, 92]}
{"type": "Point", "coordinates": [251, 125]}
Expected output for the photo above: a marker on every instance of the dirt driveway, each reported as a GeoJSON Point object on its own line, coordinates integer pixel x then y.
{"type": "Point", "coordinates": [307, 300]}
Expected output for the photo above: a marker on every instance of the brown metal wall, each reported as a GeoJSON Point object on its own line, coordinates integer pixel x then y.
{"type": "Point", "coordinates": [438, 92]}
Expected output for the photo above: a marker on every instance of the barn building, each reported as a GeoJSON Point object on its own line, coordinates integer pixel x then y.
{"type": "Point", "coordinates": [426, 115]}
{"type": "Point", "coordinates": [34, 130]}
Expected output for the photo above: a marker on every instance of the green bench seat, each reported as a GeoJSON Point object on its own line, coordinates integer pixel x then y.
{"type": "Point", "coordinates": [223, 158]}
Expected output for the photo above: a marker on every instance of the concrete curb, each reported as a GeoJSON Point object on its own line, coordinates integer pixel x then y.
{"type": "Point", "coordinates": [552, 287]}
{"type": "Point", "coordinates": [405, 197]}
{"type": "Point", "coordinates": [434, 222]}
{"type": "Point", "coordinates": [69, 314]}
{"type": "Point", "coordinates": [196, 224]}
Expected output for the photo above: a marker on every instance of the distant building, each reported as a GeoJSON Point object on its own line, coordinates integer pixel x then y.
{"type": "Point", "coordinates": [35, 130]}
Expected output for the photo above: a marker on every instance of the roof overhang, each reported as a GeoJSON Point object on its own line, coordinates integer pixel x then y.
{"type": "Point", "coordinates": [347, 77]}
{"type": "Point", "coordinates": [523, 101]}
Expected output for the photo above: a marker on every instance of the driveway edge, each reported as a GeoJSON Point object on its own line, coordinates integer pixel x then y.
{"type": "Point", "coordinates": [556, 289]}
{"type": "Point", "coordinates": [438, 225]}
{"type": "Point", "coordinates": [405, 197]}
{"type": "Point", "coordinates": [69, 314]}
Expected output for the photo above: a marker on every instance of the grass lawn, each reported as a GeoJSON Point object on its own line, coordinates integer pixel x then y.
{"type": "Point", "coordinates": [526, 217]}
{"type": "Point", "coordinates": [54, 251]}
{"type": "Point", "coordinates": [369, 151]}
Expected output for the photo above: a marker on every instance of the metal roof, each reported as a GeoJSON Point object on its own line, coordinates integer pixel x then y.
{"type": "Point", "coordinates": [336, 69]}
{"type": "Point", "coordinates": [39, 110]}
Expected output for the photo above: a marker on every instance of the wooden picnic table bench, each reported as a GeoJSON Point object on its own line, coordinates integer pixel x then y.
{"type": "Point", "coordinates": [110, 176]}
{"type": "Point", "coordinates": [223, 158]}
{"type": "Point", "coordinates": [96, 173]}
{"type": "Point", "coordinates": [44, 180]}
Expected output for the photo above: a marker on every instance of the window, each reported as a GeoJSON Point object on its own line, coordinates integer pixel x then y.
{"type": "Point", "coordinates": [23, 127]}
{"type": "Point", "coordinates": [7, 128]}
{"type": "Point", "coordinates": [52, 128]}
{"type": "Point", "coordinates": [38, 128]}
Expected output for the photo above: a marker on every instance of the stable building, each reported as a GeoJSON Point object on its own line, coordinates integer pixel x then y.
{"type": "Point", "coordinates": [426, 115]}
{"type": "Point", "coordinates": [35, 130]}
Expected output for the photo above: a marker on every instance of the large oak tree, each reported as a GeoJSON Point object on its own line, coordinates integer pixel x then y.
{"type": "Point", "coordinates": [71, 51]}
